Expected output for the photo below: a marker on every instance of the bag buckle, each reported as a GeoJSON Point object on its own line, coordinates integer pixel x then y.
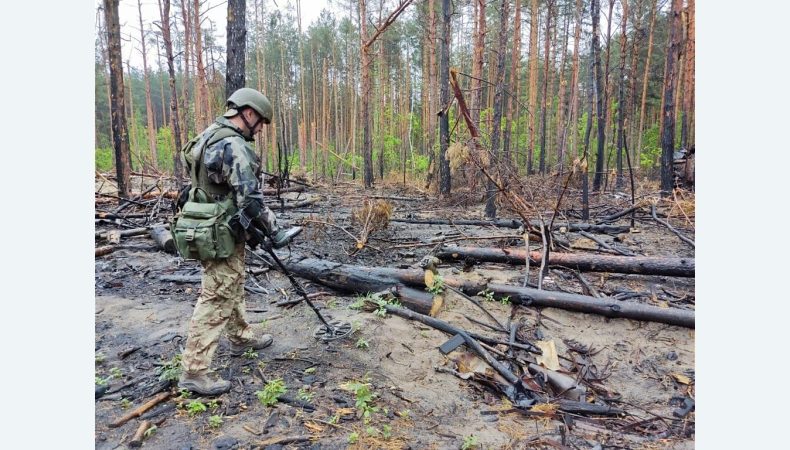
{"type": "Point", "coordinates": [190, 235]}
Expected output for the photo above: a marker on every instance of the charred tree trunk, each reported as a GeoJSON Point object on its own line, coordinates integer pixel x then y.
{"type": "Point", "coordinates": [621, 100]}
{"type": "Point", "coordinates": [643, 104]}
{"type": "Point", "coordinates": [367, 144]}
{"type": "Point", "coordinates": [236, 45]}
{"type": "Point", "coordinates": [444, 83]}
{"type": "Point", "coordinates": [533, 82]}
{"type": "Point", "coordinates": [687, 133]}
{"type": "Point", "coordinates": [603, 306]}
{"type": "Point", "coordinates": [546, 102]}
{"type": "Point", "coordinates": [123, 161]}
{"type": "Point", "coordinates": [498, 106]}
{"type": "Point", "coordinates": [644, 265]}
{"type": "Point", "coordinates": [600, 94]}
{"type": "Point", "coordinates": [512, 109]}
{"type": "Point", "coordinates": [164, 11]}
{"type": "Point", "coordinates": [668, 128]}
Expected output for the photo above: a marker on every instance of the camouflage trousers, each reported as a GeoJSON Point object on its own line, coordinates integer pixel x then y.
{"type": "Point", "coordinates": [220, 307]}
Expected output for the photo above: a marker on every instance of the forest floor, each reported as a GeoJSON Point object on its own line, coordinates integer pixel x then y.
{"type": "Point", "coordinates": [415, 399]}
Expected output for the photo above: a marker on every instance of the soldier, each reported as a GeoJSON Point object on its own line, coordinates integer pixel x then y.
{"type": "Point", "coordinates": [226, 166]}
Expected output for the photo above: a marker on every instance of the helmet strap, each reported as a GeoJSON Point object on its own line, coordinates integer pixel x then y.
{"type": "Point", "coordinates": [250, 128]}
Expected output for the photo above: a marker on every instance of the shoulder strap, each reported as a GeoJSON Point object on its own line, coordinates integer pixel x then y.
{"type": "Point", "coordinates": [217, 135]}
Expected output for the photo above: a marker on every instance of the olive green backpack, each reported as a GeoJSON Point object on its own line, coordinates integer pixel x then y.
{"type": "Point", "coordinates": [201, 230]}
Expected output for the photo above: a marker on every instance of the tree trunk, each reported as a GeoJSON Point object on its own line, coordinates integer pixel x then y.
{"type": "Point", "coordinates": [600, 93]}
{"type": "Point", "coordinates": [236, 46]}
{"type": "Point", "coordinates": [574, 94]}
{"type": "Point", "coordinates": [149, 107]}
{"type": "Point", "coordinates": [643, 104]}
{"type": "Point", "coordinates": [546, 102]}
{"type": "Point", "coordinates": [603, 306]}
{"type": "Point", "coordinates": [365, 97]}
{"type": "Point", "coordinates": [186, 15]}
{"type": "Point", "coordinates": [120, 137]}
{"type": "Point", "coordinates": [303, 103]}
{"type": "Point", "coordinates": [498, 107]}
{"type": "Point", "coordinates": [444, 121]}
{"type": "Point", "coordinates": [668, 127]}
{"type": "Point", "coordinates": [687, 140]}
{"type": "Point", "coordinates": [621, 99]}
{"type": "Point", "coordinates": [644, 265]}
{"type": "Point", "coordinates": [201, 90]}
{"type": "Point", "coordinates": [562, 130]}
{"type": "Point", "coordinates": [533, 82]}
{"type": "Point", "coordinates": [514, 79]}
{"type": "Point", "coordinates": [477, 61]}
{"type": "Point", "coordinates": [164, 11]}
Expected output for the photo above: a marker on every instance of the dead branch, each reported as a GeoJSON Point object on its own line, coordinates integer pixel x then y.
{"type": "Point", "coordinates": [671, 228]}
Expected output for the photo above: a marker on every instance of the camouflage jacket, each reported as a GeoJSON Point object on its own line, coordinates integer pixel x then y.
{"type": "Point", "coordinates": [233, 163]}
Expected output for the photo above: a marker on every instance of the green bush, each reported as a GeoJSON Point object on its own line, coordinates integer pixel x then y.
{"type": "Point", "coordinates": [104, 159]}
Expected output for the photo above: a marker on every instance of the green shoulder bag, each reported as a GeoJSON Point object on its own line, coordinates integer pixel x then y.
{"type": "Point", "coordinates": [201, 230]}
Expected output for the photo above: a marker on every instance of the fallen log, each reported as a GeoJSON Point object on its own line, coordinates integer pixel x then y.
{"type": "Point", "coordinates": [139, 435]}
{"type": "Point", "coordinates": [517, 223]}
{"type": "Point", "coordinates": [124, 233]}
{"type": "Point", "coordinates": [140, 410]}
{"type": "Point", "coordinates": [105, 250]}
{"type": "Point", "coordinates": [363, 280]}
{"type": "Point", "coordinates": [604, 306]}
{"type": "Point", "coordinates": [163, 238]}
{"type": "Point", "coordinates": [644, 265]}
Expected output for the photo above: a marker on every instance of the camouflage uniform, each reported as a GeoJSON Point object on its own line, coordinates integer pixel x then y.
{"type": "Point", "coordinates": [229, 162]}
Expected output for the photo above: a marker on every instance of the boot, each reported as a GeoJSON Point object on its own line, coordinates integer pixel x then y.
{"type": "Point", "coordinates": [203, 384]}
{"type": "Point", "coordinates": [256, 343]}
{"type": "Point", "coordinates": [284, 236]}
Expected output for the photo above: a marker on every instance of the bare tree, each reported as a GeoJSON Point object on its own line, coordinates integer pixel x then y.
{"type": "Point", "coordinates": [668, 127]}
{"type": "Point", "coordinates": [149, 108]}
{"type": "Point", "coordinates": [600, 94]}
{"type": "Point", "coordinates": [621, 99]}
{"type": "Point", "coordinates": [533, 81]}
{"type": "Point", "coordinates": [491, 188]}
{"type": "Point", "coordinates": [164, 14]}
{"type": "Point", "coordinates": [123, 162]}
{"type": "Point", "coordinates": [444, 82]}
{"type": "Point", "coordinates": [236, 46]}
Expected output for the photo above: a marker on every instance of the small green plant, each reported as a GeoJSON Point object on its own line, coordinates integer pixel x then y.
{"type": "Point", "coordinates": [362, 343]}
{"type": "Point", "coordinates": [115, 372]}
{"type": "Point", "coordinates": [505, 300]}
{"type": "Point", "coordinates": [184, 394]}
{"type": "Point", "coordinates": [404, 414]}
{"type": "Point", "coordinates": [271, 392]}
{"type": "Point", "coordinates": [386, 431]}
{"type": "Point", "coordinates": [358, 303]}
{"type": "Point", "coordinates": [264, 323]}
{"type": "Point", "coordinates": [196, 407]}
{"type": "Point", "coordinates": [470, 442]}
{"type": "Point", "coordinates": [353, 438]}
{"type": "Point", "coordinates": [381, 311]}
{"type": "Point", "coordinates": [488, 295]}
{"type": "Point", "coordinates": [332, 304]}
{"type": "Point", "coordinates": [102, 381]}
{"type": "Point", "coordinates": [364, 398]}
{"type": "Point", "coordinates": [99, 358]}
{"type": "Point", "coordinates": [309, 370]}
{"type": "Point", "coordinates": [171, 370]}
{"type": "Point", "coordinates": [304, 395]}
{"type": "Point", "coordinates": [424, 333]}
{"type": "Point", "coordinates": [334, 419]}
{"type": "Point", "coordinates": [213, 404]}
{"type": "Point", "coordinates": [371, 431]}
{"type": "Point", "coordinates": [215, 421]}
{"type": "Point", "coordinates": [438, 285]}
{"type": "Point", "coordinates": [250, 353]}
{"type": "Point", "coordinates": [149, 432]}
{"type": "Point", "coordinates": [246, 370]}
{"type": "Point", "coordinates": [356, 325]}
{"type": "Point", "coordinates": [125, 402]}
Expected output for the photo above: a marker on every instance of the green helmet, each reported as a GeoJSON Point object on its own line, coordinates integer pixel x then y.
{"type": "Point", "coordinates": [253, 99]}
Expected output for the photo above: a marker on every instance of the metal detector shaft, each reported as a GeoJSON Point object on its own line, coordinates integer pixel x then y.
{"type": "Point", "coordinates": [297, 286]}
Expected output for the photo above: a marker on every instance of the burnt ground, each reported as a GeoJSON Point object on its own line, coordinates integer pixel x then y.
{"type": "Point", "coordinates": [141, 321]}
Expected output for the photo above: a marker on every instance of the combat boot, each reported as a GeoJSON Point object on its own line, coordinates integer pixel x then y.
{"type": "Point", "coordinates": [284, 236]}
{"type": "Point", "coordinates": [203, 384]}
{"type": "Point", "coordinates": [256, 343]}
